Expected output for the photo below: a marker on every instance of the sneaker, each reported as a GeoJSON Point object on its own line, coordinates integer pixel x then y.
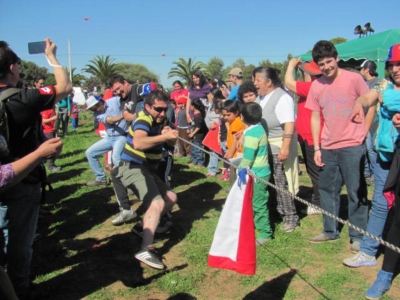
{"type": "Point", "coordinates": [261, 241]}
{"type": "Point", "coordinates": [97, 182]}
{"type": "Point", "coordinates": [149, 257]}
{"type": "Point", "coordinates": [355, 247]}
{"type": "Point", "coordinates": [165, 223]}
{"type": "Point", "coordinates": [211, 174]}
{"type": "Point", "coordinates": [360, 260]}
{"type": "Point", "coordinates": [124, 216]}
{"type": "Point", "coordinates": [313, 211]}
{"type": "Point", "coordinates": [138, 230]}
{"type": "Point", "coordinates": [289, 227]}
{"type": "Point", "coordinates": [225, 175]}
{"type": "Point", "coordinates": [54, 169]}
{"type": "Point", "coordinates": [321, 238]}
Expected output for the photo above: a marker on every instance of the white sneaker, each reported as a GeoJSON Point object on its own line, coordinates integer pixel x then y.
{"type": "Point", "coordinates": [313, 211]}
{"type": "Point", "coordinates": [360, 260]}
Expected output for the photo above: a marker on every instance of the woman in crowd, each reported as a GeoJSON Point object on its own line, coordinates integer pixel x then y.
{"type": "Point", "coordinates": [198, 88]}
{"type": "Point", "coordinates": [279, 115]}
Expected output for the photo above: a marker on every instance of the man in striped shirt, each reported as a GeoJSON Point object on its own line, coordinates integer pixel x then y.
{"type": "Point", "coordinates": [137, 171]}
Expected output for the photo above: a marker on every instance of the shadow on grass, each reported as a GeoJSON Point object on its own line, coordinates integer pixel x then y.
{"type": "Point", "coordinates": [63, 175]}
{"type": "Point", "coordinates": [70, 153]}
{"type": "Point", "coordinates": [275, 288]}
{"type": "Point", "coordinates": [98, 264]}
{"type": "Point", "coordinates": [182, 296]}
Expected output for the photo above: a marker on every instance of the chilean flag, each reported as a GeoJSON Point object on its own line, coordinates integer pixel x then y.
{"type": "Point", "coordinates": [234, 243]}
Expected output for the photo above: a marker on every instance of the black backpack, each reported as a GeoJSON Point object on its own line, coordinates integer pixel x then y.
{"type": "Point", "coordinates": [4, 131]}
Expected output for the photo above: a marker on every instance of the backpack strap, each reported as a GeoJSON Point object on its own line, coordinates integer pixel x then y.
{"type": "Point", "coordinates": [4, 95]}
{"type": "Point", "coordinates": [7, 93]}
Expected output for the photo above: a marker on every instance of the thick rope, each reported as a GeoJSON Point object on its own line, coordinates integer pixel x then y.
{"type": "Point", "coordinates": [381, 241]}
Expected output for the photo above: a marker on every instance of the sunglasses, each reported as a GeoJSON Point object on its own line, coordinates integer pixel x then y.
{"type": "Point", "coordinates": [160, 109]}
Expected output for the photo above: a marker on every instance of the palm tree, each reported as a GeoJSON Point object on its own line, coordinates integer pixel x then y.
{"type": "Point", "coordinates": [184, 69]}
{"type": "Point", "coordinates": [102, 68]}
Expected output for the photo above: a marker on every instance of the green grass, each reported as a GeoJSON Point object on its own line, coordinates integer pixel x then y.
{"type": "Point", "coordinates": [81, 255]}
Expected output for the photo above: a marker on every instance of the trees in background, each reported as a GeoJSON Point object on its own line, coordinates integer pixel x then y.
{"type": "Point", "coordinates": [184, 69]}
{"type": "Point", "coordinates": [136, 73]}
{"type": "Point", "coordinates": [102, 68]}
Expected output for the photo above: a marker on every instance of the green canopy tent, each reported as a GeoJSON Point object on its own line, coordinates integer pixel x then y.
{"type": "Point", "coordinates": [373, 47]}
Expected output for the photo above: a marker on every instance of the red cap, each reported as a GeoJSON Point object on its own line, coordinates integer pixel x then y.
{"type": "Point", "coordinates": [310, 68]}
{"type": "Point", "coordinates": [394, 53]}
{"type": "Point", "coordinates": [108, 94]}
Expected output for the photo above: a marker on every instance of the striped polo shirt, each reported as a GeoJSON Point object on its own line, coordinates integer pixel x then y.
{"type": "Point", "coordinates": [149, 157]}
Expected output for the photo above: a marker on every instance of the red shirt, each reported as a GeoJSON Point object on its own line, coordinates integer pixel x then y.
{"type": "Point", "coordinates": [303, 120]}
{"type": "Point", "coordinates": [47, 114]}
{"type": "Point", "coordinates": [180, 96]}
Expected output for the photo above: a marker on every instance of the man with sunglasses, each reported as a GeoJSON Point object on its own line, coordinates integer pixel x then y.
{"type": "Point", "coordinates": [110, 113]}
{"type": "Point", "coordinates": [19, 205]}
{"type": "Point", "coordinates": [137, 171]}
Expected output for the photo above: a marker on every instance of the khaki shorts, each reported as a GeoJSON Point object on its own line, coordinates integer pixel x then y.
{"type": "Point", "coordinates": [146, 185]}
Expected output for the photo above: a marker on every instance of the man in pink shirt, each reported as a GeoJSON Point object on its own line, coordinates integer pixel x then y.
{"type": "Point", "coordinates": [341, 155]}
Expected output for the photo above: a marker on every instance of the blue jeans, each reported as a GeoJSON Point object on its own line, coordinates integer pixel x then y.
{"type": "Point", "coordinates": [114, 143]}
{"type": "Point", "coordinates": [22, 205]}
{"type": "Point", "coordinates": [197, 154]}
{"type": "Point", "coordinates": [379, 210]}
{"type": "Point", "coordinates": [74, 123]}
{"type": "Point", "coordinates": [371, 157]}
{"type": "Point", "coordinates": [347, 164]}
{"type": "Point", "coordinates": [213, 164]}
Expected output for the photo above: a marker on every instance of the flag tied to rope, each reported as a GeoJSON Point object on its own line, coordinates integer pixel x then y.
{"type": "Point", "coordinates": [234, 246]}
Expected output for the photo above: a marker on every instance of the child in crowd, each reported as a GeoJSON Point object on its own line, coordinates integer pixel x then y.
{"type": "Point", "coordinates": [255, 157]}
{"type": "Point", "coordinates": [223, 132]}
{"type": "Point", "coordinates": [198, 132]}
{"type": "Point", "coordinates": [212, 122]}
{"type": "Point", "coordinates": [247, 92]}
{"type": "Point", "coordinates": [75, 116]}
{"type": "Point", "coordinates": [49, 118]}
{"type": "Point", "coordinates": [231, 112]}
{"type": "Point", "coordinates": [184, 149]}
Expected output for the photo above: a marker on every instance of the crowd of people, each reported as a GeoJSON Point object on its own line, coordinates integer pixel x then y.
{"type": "Point", "coordinates": [345, 122]}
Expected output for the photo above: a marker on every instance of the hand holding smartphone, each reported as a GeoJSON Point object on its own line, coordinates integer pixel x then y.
{"type": "Point", "coordinates": [36, 47]}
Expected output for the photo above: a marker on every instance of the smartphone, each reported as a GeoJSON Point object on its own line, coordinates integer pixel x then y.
{"type": "Point", "coordinates": [36, 47]}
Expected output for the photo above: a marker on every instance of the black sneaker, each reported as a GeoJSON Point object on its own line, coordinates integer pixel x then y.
{"type": "Point", "coordinates": [150, 258]}
{"type": "Point", "coordinates": [97, 183]}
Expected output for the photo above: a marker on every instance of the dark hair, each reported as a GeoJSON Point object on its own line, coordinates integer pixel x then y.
{"type": "Point", "coordinates": [178, 82]}
{"type": "Point", "coordinates": [269, 73]}
{"type": "Point", "coordinates": [217, 105]}
{"type": "Point", "coordinates": [200, 75]}
{"type": "Point", "coordinates": [116, 78]}
{"type": "Point", "coordinates": [251, 113]}
{"type": "Point", "coordinates": [156, 95]}
{"type": "Point", "coordinates": [172, 101]}
{"type": "Point", "coordinates": [198, 104]}
{"type": "Point", "coordinates": [323, 49]}
{"type": "Point", "coordinates": [255, 71]}
{"type": "Point", "coordinates": [7, 58]}
{"type": "Point", "coordinates": [37, 78]}
{"type": "Point", "coordinates": [217, 94]}
{"type": "Point", "coordinates": [246, 87]}
{"type": "Point", "coordinates": [231, 106]}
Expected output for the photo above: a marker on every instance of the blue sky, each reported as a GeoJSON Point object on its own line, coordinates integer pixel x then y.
{"type": "Point", "coordinates": [139, 31]}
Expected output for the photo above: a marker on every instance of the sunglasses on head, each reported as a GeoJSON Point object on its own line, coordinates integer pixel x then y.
{"type": "Point", "coordinates": [160, 109]}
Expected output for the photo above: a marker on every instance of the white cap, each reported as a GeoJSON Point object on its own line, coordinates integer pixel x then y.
{"type": "Point", "coordinates": [91, 101]}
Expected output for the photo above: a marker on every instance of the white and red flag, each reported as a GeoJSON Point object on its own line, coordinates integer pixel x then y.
{"type": "Point", "coordinates": [234, 246]}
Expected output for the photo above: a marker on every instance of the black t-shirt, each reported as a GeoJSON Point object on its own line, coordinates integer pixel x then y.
{"type": "Point", "coordinates": [24, 120]}
{"type": "Point", "coordinates": [199, 123]}
{"type": "Point", "coordinates": [133, 98]}
{"type": "Point", "coordinates": [223, 131]}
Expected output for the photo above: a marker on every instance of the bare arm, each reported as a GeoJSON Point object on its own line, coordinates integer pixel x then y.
{"type": "Point", "coordinates": [315, 130]}
{"type": "Point", "coordinates": [23, 166]}
{"type": "Point", "coordinates": [290, 82]}
{"type": "Point", "coordinates": [143, 142]}
{"type": "Point", "coordinates": [287, 137]}
{"type": "Point", "coordinates": [364, 101]}
{"type": "Point", "coordinates": [50, 119]}
{"type": "Point", "coordinates": [63, 84]}
{"type": "Point", "coordinates": [128, 116]}
{"type": "Point", "coordinates": [369, 118]}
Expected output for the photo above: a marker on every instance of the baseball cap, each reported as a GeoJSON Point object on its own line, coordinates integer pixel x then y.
{"type": "Point", "coordinates": [394, 53]}
{"type": "Point", "coordinates": [310, 68]}
{"type": "Point", "coordinates": [367, 64]}
{"type": "Point", "coordinates": [236, 72]}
